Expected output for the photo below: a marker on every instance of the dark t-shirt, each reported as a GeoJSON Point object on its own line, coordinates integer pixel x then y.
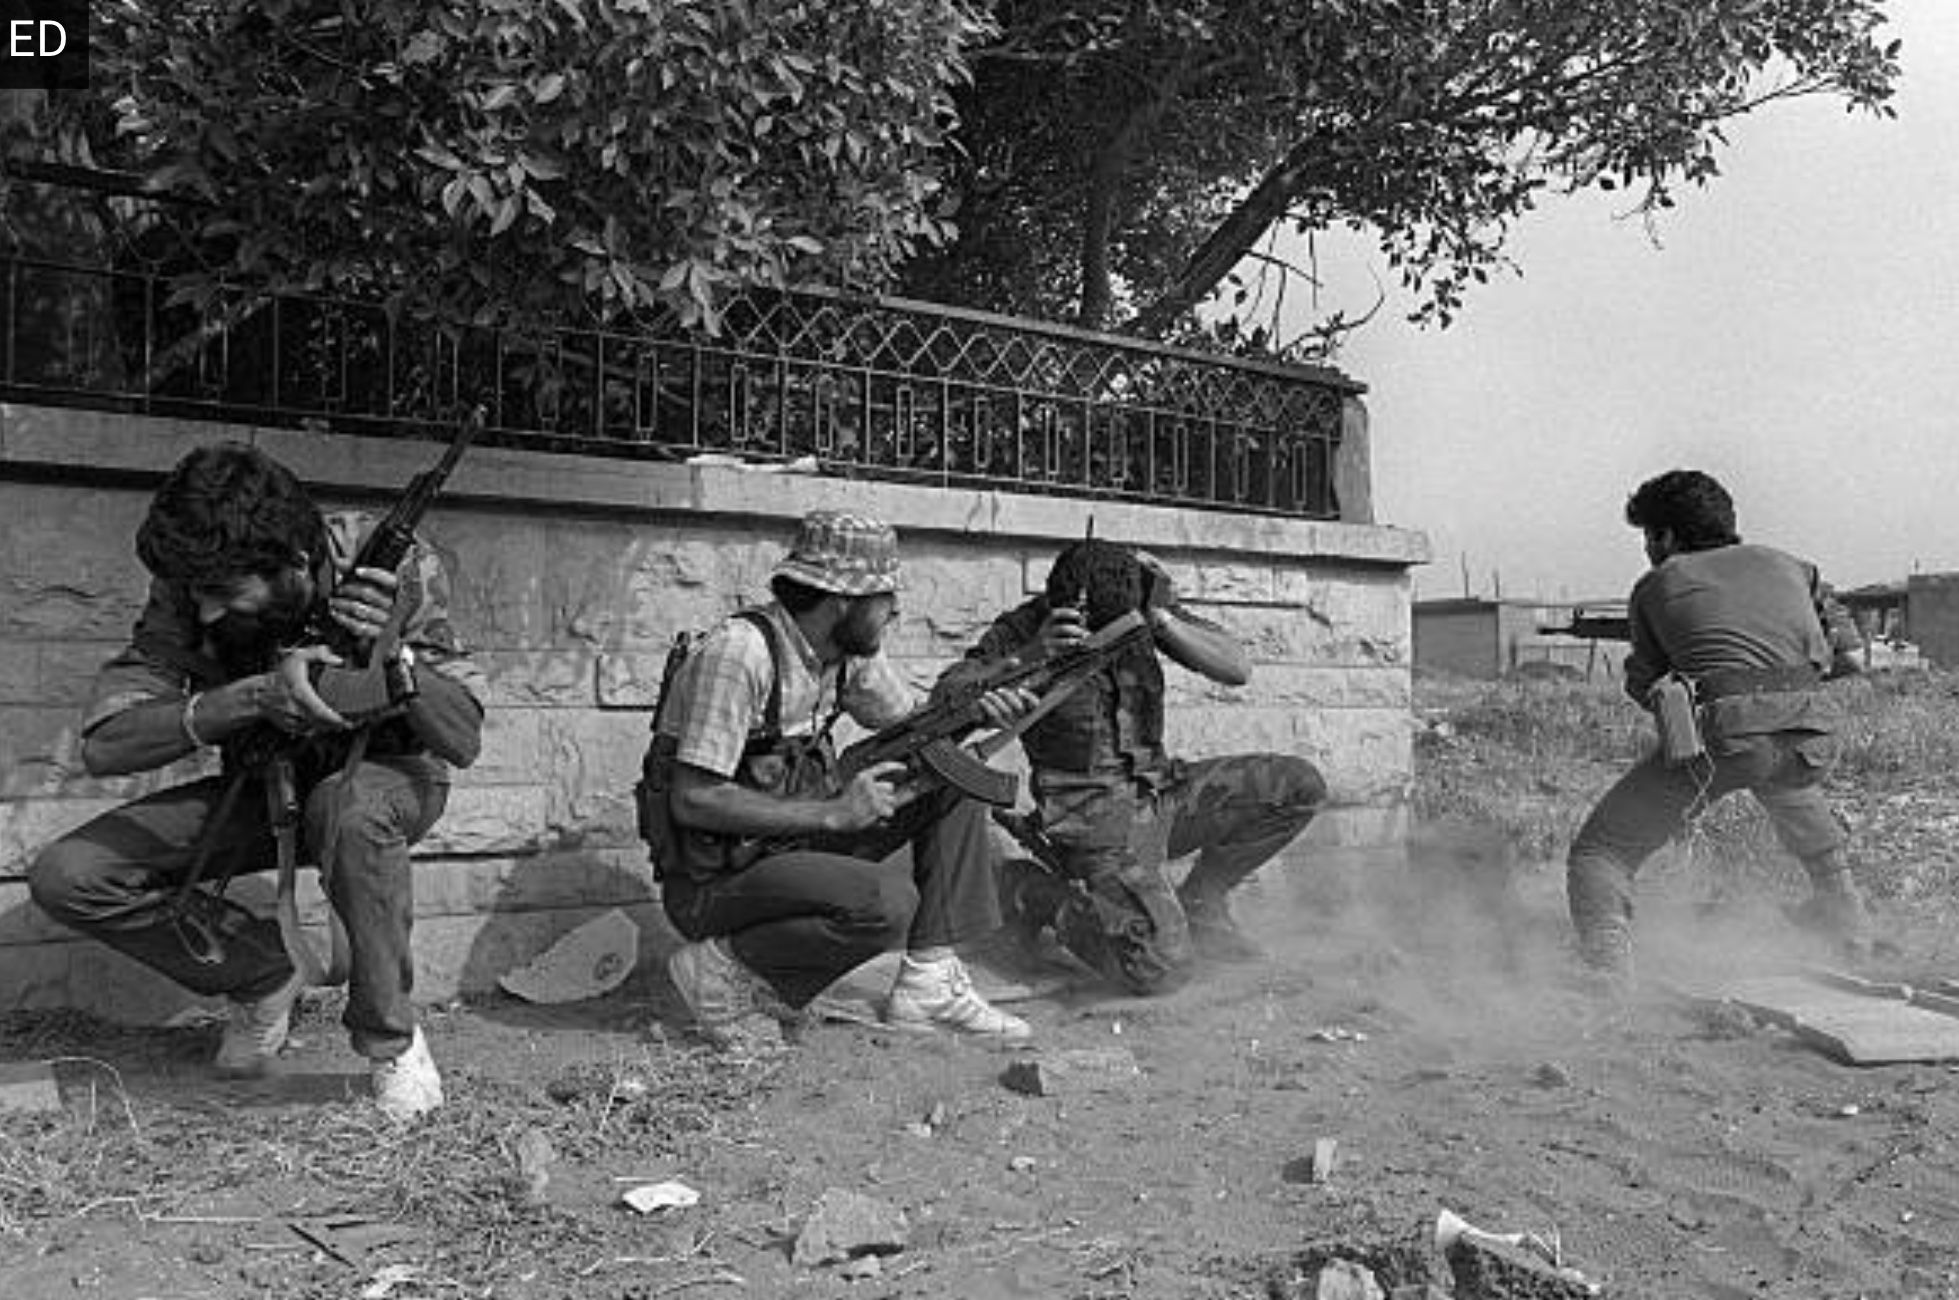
{"type": "Point", "coordinates": [1739, 606]}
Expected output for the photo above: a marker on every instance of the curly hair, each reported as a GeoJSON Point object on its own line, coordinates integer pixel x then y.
{"type": "Point", "coordinates": [1106, 577]}
{"type": "Point", "coordinates": [1696, 508]}
{"type": "Point", "coordinates": [228, 511]}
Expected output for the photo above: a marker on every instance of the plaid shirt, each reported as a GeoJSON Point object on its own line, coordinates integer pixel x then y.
{"type": "Point", "coordinates": [722, 692]}
{"type": "Point", "coordinates": [168, 657]}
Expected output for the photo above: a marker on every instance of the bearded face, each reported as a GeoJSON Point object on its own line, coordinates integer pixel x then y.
{"type": "Point", "coordinates": [247, 622]}
{"type": "Point", "coordinates": [861, 630]}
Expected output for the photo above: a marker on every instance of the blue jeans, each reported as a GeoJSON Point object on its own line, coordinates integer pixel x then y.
{"type": "Point", "coordinates": [803, 917]}
{"type": "Point", "coordinates": [113, 879]}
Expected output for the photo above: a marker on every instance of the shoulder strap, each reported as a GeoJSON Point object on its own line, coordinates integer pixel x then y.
{"type": "Point", "coordinates": [772, 708]}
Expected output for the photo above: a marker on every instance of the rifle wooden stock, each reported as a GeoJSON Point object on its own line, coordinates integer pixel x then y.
{"type": "Point", "coordinates": [928, 742]}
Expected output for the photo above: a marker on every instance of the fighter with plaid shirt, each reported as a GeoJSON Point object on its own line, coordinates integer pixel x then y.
{"type": "Point", "coordinates": [780, 875]}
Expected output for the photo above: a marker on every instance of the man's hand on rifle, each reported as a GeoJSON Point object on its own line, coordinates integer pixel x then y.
{"type": "Point", "coordinates": [364, 601]}
{"type": "Point", "coordinates": [1003, 704]}
{"type": "Point", "coordinates": [1065, 628]}
{"type": "Point", "coordinates": [871, 797]}
{"type": "Point", "coordinates": [288, 700]}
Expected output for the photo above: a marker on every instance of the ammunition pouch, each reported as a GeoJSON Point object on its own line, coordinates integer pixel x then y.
{"type": "Point", "coordinates": [1676, 715]}
{"type": "Point", "coordinates": [790, 766]}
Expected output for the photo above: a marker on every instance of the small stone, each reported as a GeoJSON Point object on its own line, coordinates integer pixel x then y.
{"type": "Point", "coordinates": [534, 1156]}
{"type": "Point", "coordinates": [861, 1268]}
{"type": "Point", "coordinates": [1551, 1075]}
{"type": "Point", "coordinates": [845, 1224]}
{"type": "Point", "coordinates": [1051, 1074]}
{"type": "Point", "coordinates": [1023, 1164]}
{"type": "Point", "coordinates": [1345, 1280]}
{"type": "Point", "coordinates": [1316, 1168]}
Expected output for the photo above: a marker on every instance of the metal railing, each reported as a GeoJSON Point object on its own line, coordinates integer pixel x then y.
{"type": "Point", "coordinates": [868, 387]}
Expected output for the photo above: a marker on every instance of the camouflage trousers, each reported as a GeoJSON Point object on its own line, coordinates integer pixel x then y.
{"type": "Point", "coordinates": [1102, 846]}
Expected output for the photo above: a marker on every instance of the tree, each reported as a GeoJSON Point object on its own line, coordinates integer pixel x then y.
{"type": "Point", "coordinates": [1122, 157]}
{"type": "Point", "coordinates": [536, 161]}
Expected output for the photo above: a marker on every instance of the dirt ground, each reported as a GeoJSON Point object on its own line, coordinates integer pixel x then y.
{"type": "Point", "coordinates": [1671, 1151]}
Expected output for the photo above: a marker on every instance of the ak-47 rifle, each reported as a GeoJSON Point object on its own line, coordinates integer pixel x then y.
{"type": "Point", "coordinates": [928, 741]}
{"type": "Point", "coordinates": [368, 684]}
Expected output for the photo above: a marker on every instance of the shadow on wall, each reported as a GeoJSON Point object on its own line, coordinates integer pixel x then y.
{"type": "Point", "coordinates": [531, 923]}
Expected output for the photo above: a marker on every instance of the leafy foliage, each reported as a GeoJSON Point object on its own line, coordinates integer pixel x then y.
{"type": "Point", "coordinates": [536, 160]}
{"type": "Point", "coordinates": [1124, 156]}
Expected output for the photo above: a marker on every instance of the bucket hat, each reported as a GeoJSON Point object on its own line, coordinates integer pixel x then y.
{"type": "Point", "coordinates": [847, 554]}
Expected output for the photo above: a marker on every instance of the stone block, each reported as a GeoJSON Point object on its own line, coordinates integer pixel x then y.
{"type": "Point", "coordinates": [496, 565]}
{"type": "Point", "coordinates": [510, 748]}
{"type": "Point", "coordinates": [27, 825]}
{"type": "Point", "coordinates": [1070, 1071]}
{"type": "Point", "coordinates": [563, 677]}
{"type": "Point", "coordinates": [630, 679]}
{"type": "Point", "coordinates": [845, 1225]}
{"type": "Point", "coordinates": [83, 975]}
{"type": "Point", "coordinates": [20, 671]}
{"type": "Point", "coordinates": [38, 750]}
{"type": "Point", "coordinates": [68, 572]}
{"type": "Point", "coordinates": [492, 819]}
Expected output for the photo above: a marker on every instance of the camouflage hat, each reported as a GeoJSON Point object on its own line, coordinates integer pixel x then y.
{"type": "Point", "coordinates": [849, 555]}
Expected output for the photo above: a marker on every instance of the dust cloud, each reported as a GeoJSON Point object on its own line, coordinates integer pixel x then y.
{"type": "Point", "coordinates": [1458, 937]}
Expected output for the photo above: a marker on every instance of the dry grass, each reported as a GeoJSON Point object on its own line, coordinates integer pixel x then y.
{"type": "Point", "coordinates": [456, 1179]}
{"type": "Point", "coordinates": [1532, 757]}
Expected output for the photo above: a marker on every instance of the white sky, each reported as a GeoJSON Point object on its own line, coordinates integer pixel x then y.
{"type": "Point", "coordinates": [1796, 334]}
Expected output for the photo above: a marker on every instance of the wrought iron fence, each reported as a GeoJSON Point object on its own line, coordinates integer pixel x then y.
{"type": "Point", "coordinates": [868, 387]}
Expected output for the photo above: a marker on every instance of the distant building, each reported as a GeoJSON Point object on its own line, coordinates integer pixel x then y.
{"type": "Point", "coordinates": [1932, 617]}
{"type": "Point", "coordinates": [1477, 636]}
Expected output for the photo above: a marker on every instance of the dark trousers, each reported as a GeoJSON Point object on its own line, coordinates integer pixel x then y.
{"type": "Point", "coordinates": [1653, 802]}
{"type": "Point", "coordinates": [113, 879]}
{"type": "Point", "coordinates": [803, 917]}
{"type": "Point", "coordinates": [1114, 841]}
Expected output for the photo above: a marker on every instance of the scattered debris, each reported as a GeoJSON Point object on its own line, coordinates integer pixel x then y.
{"type": "Point", "coordinates": [534, 1156]}
{"type": "Point", "coordinates": [860, 1268]}
{"type": "Point", "coordinates": [593, 959]}
{"type": "Point", "coordinates": [1052, 1074]}
{"type": "Point", "coordinates": [1337, 1034]}
{"type": "Point", "coordinates": [1342, 1279]}
{"type": "Point", "coordinates": [1860, 1022]}
{"type": "Point", "coordinates": [845, 1225]}
{"type": "Point", "coordinates": [1023, 1164]}
{"type": "Point", "coordinates": [1316, 1168]}
{"type": "Point", "coordinates": [1499, 1265]}
{"type": "Point", "coordinates": [28, 1089]}
{"type": "Point", "coordinates": [650, 1198]}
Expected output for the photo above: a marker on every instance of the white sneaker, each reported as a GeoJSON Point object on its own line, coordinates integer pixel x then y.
{"type": "Point", "coordinates": [733, 1007]}
{"type": "Point", "coordinates": [256, 1031]}
{"type": "Point", "coordinates": [407, 1086]}
{"type": "Point", "coordinates": [940, 996]}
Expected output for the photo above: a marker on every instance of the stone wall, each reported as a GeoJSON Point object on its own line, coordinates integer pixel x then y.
{"type": "Point", "coordinates": [572, 574]}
